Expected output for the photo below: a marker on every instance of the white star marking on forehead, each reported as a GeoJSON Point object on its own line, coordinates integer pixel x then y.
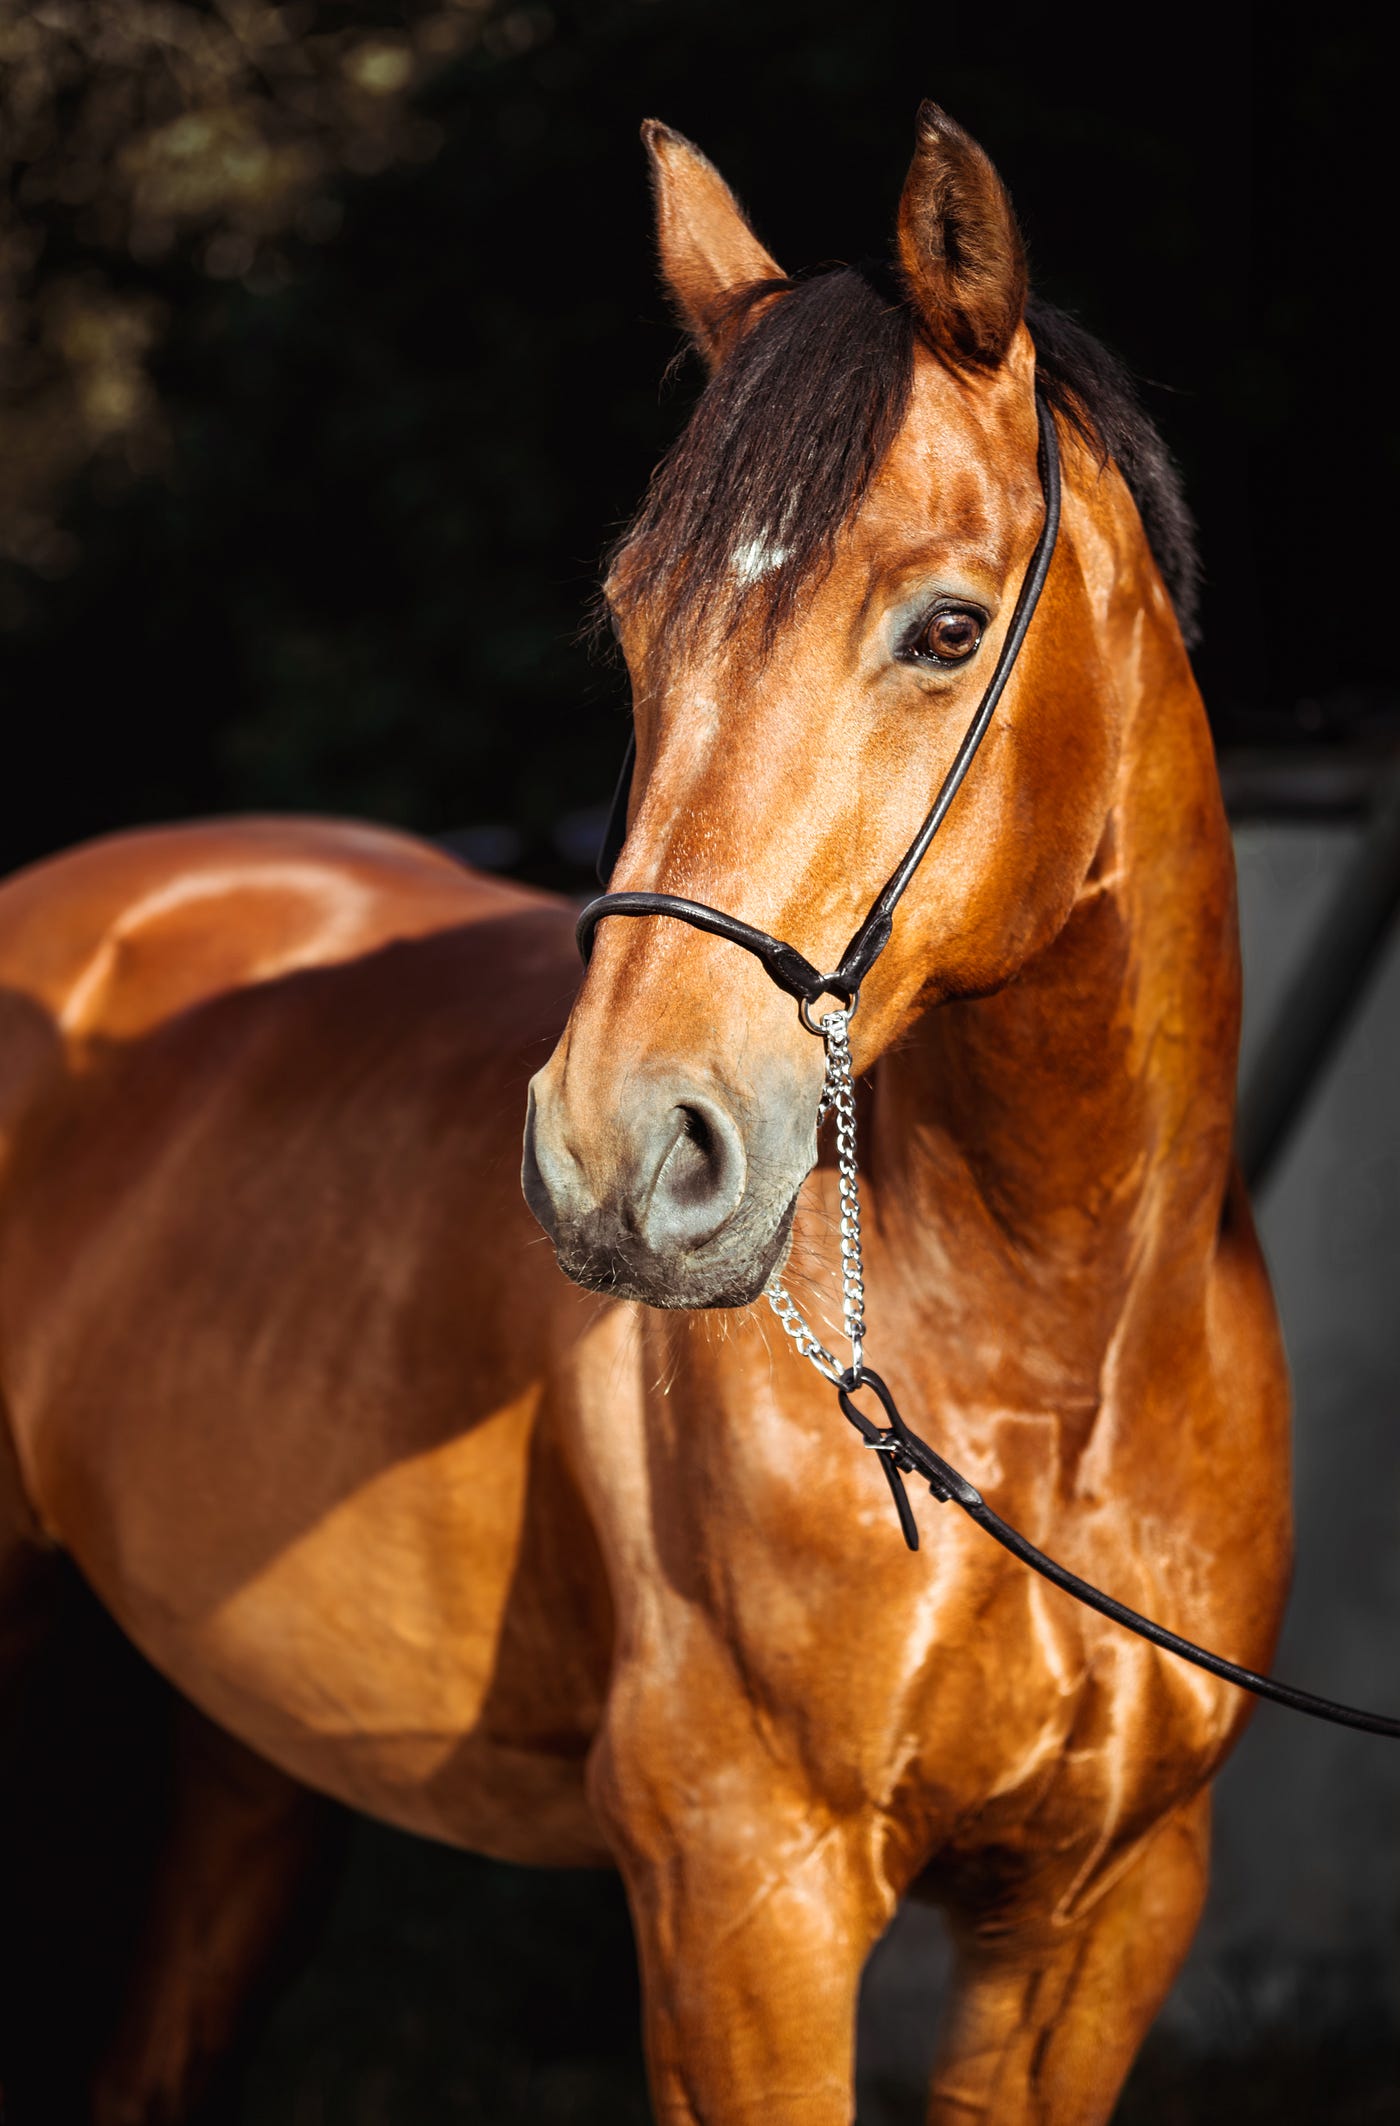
{"type": "Point", "coordinates": [753, 558]}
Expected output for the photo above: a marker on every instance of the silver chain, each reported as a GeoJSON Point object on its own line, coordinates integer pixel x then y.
{"type": "Point", "coordinates": [838, 1094]}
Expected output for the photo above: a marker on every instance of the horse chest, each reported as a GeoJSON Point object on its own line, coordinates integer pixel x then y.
{"type": "Point", "coordinates": [998, 1729]}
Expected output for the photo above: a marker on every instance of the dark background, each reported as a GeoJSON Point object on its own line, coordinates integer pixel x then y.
{"type": "Point", "coordinates": [308, 475]}
{"type": "Point", "coordinates": [354, 578]}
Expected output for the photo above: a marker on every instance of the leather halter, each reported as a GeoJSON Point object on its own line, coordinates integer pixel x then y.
{"type": "Point", "coordinates": [900, 1450]}
{"type": "Point", "coordinates": [789, 968]}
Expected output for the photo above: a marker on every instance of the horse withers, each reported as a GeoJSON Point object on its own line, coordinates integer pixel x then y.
{"type": "Point", "coordinates": [587, 1569]}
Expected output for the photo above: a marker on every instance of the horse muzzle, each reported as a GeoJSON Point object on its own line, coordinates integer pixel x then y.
{"type": "Point", "coordinates": [671, 1193]}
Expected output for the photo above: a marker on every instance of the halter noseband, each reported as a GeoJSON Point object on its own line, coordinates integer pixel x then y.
{"type": "Point", "coordinates": [789, 968]}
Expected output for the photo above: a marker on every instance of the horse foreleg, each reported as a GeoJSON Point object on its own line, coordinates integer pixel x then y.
{"type": "Point", "coordinates": [240, 1882]}
{"type": "Point", "coordinates": [754, 1912]}
{"type": "Point", "coordinates": [1043, 2032]}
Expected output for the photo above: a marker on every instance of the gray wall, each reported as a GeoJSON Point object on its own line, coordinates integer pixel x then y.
{"type": "Point", "coordinates": [1307, 1896]}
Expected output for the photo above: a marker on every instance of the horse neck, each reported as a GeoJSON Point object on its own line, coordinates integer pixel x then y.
{"type": "Point", "coordinates": [1040, 1156]}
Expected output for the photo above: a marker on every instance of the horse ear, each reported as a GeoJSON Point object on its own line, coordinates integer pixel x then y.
{"type": "Point", "coordinates": [708, 251]}
{"type": "Point", "coordinates": [959, 245]}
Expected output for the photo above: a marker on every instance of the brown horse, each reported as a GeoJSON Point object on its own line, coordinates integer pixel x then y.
{"type": "Point", "coordinates": [413, 1520]}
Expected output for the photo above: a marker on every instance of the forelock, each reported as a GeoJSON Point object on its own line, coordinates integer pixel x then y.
{"type": "Point", "coordinates": [746, 508]}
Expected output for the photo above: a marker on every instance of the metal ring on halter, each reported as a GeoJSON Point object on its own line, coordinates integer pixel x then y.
{"type": "Point", "coordinates": [832, 989]}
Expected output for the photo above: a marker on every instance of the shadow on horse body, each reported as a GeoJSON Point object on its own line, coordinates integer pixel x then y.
{"type": "Point", "coordinates": [589, 1571]}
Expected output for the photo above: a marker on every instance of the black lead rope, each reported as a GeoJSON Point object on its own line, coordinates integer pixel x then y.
{"type": "Point", "coordinates": [901, 1452]}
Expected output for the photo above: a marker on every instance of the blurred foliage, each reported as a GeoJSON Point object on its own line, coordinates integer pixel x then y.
{"type": "Point", "coordinates": [136, 138]}
{"type": "Point", "coordinates": [332, 356]}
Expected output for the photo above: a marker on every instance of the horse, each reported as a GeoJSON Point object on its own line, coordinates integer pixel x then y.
{"type": "Point", "coordinates": [583, 1568]}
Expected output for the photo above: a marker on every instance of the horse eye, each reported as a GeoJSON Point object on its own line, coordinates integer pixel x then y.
{"type": "Point", "coordinates": [947, 637]}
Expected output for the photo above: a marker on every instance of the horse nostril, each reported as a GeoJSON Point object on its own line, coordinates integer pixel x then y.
{"type": "Point", "coordinates": [700, 1180]}
{"type": "Point", "coordinates": [690, 1167]}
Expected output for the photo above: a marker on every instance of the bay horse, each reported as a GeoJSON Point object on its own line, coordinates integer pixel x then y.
{"type": "Point", "coordinates": [583, 1568]}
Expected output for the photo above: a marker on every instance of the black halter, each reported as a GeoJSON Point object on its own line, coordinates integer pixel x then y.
{"type": "Point", "coordinates": [787, 966]}
{"type": "Point", "coordinates": [900, 1450]}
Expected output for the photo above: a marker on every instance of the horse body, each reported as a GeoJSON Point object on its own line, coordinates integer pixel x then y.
{"type": "Point", "coordinates": [566, 1577]}
{"type": "Point", "coordinates": [279, 1513]}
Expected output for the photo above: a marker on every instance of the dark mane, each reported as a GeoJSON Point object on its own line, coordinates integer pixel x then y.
{"type": "Point", "coordinates": [791, 429]}
{"type": "Point", "coordinates": [1090, 389]}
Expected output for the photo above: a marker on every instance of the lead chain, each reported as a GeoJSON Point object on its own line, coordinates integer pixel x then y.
{"type": "Point", "coordinates": [838, 1095]}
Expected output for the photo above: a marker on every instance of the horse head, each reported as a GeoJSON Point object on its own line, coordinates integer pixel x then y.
{"type": "Point", "coordinates": [810, 602]}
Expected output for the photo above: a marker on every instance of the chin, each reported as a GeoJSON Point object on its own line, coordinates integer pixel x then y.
{"type": "Point", "coordinates": [732, 1271]}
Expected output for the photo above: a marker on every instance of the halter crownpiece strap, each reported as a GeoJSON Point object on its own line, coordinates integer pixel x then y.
{"type": "Point", "coordinates": [789, 968]}
{"type": "Point", "coordinates": [901, 1452]}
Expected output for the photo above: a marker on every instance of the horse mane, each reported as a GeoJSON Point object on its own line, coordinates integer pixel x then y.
{"type": "Point", "coordinates": [1090, 388]}
{"type": "Point", "coordinates": [745, 508]}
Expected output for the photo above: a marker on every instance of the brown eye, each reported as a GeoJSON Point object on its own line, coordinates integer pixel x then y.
{"type": "Point", "coordinates": [947, 636]}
